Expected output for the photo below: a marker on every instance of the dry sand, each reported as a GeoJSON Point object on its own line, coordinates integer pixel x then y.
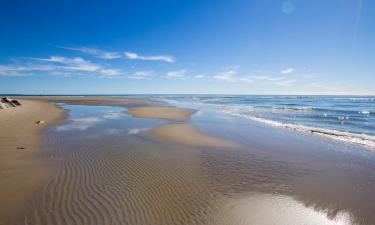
{"type": "Point", "coordinates": [161, 112]}
{"type": "Point", "coordinates": [19, 171]}
{"type": "Point", "coordinates": [190, 135]}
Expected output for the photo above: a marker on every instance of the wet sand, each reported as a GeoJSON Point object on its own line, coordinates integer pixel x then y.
{"type": "Point", "coordinates": [161, 112]}
{"type": "Point", "coordinates": [190, 135]}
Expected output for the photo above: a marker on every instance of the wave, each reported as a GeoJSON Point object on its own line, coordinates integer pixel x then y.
{"type": "Point", "coordinates": [361, 139]}
{"type": "Point", "coordinates": [365, 112]}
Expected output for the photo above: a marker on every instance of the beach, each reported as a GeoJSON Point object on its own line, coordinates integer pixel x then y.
{"type": "Point", "coordinates": [20, 171]}
{"type": "Point", "coordinates": [119, 160]}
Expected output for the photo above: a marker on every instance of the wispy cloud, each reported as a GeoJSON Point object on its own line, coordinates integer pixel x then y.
{"type": "Point", "coordinates": [115, 55]}
{"type": "Point", "coordinates": [96, 52]}
{"type": "Point", "coordinates": [227, 76]}
{"type": "Point", "coordinates": [287, 71]}
{"type": "Point", "coordinates": [58, 66]}
{"type": "Point", "coordinates": [76, 63]}
{"type": "Point", "coordinates": [177, 74]}
{"type": "Point", "coordinates": [265, 78]}
{"type": "Point", "coordinates": [142, 75]}
{"type": "Point", "coordinates": [257, 78]}
{"type": "Point", "coordinates": [22, 70]}
{"type": "Point", "coordinates": [111, 72]}
{"type": "Point", "coordinates": [165, 58]}
{"type": "Point", "coordinates": [66, 65]}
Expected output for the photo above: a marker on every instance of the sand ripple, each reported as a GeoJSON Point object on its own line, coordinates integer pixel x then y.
{"type": "Point", "coordinates": [107, 182]}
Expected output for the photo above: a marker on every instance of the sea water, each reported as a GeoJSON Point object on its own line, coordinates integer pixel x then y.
{"type": "Point", "coordinates": [348, 118]}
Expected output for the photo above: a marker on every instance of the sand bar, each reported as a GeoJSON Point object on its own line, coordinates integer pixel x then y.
{"type": "Point", "coordinates": [190, 135]}
{"type": "Point", "coordinates": [20, 172]}
{"type": "Point", "coordinates": [161, 112]}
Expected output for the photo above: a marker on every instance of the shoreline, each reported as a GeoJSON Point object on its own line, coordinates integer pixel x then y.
{"type": "Point", "coordinates": [352, 138]}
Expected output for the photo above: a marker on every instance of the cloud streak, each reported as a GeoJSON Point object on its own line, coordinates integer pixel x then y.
{"type": "Point", "coordinates": [143, 75]}
{"type": "Point", "coordinates": [177, 74]}
{"type": "Point", "coordinates": [96, 52]}
{"type": "Point", "coordinates": [76, 63]}
{"type": "Point", "coordinates": [227, 76]}
{"type": "Point", "coordinates": [165, 58]}
{"type": "Point", "coordinates": [115, 55]}
{"type": "Point", "coordinates": [58, 66]}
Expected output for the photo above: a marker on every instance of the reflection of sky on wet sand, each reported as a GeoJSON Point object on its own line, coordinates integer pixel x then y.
{"type": "Point", "coordinates": [101, 120]}
{"type": "Point", "coordinates": [81, 119]}
{"type": "Point", "coordinates": [135, 131]}
{"type": "Point", "coordinates": [268, 209]}
{"type": "Point", "coordinates": [79, 124]}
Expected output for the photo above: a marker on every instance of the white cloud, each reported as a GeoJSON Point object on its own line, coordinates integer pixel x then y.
{"type": "Point", "coordinates": [264, 78]}
{"type": "Point", "coordinates": [165, 58]}
{"type": "Point", "coordinates": [226, 76]}
{"type": "Point", "coordinates": [96, 52]}
{"type": "Point", "coordinates": [248, 79]}
{"type": "Point", "coordinates": [22, 70]}
{"type": "Point", "coordinates": [144, 74]}
{"type": "Point", "coordinates": [111, 72]}
{"type": "Point", "coordinates": [177, 74]}
{"type": "Point", "coordinates": [58, 66]}
{"type": "Point", "coordinates": [114, 55]}
{"type": "Point", "coordinates": [287, 71]}
{"type": "Point", "coordinates": [76, 63]}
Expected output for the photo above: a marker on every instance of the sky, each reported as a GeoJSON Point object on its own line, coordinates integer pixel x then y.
{"type": "Point", "coordinates": [187, 47]}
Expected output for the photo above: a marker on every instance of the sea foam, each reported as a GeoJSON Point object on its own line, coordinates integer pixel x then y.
{"type": "Point", "coordinates": [361, 139]}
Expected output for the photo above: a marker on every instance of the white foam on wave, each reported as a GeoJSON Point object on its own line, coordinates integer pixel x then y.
{"type": "Point", "coordinates": [361, 139]}
{"type": "Point", "coordinates": [364, 112]}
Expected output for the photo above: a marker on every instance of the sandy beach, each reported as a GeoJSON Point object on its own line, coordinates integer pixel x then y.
{"type": "Point", "coordinates": [20, 171]}
{"type": "Point", "coordinates": [83, 166]}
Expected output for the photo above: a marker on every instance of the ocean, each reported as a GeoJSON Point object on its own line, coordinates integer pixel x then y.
{"type": "Point", "coordinates": [348, 118]}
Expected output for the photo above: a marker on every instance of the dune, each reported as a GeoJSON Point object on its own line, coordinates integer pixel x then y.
{"type": "Point", "coordinates": [161, 112]}
{"type": "Point", "coordinates": [190, 135]}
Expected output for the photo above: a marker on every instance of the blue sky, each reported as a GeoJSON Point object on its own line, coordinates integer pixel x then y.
{"type": "Point", "coordinates": [195, 46]}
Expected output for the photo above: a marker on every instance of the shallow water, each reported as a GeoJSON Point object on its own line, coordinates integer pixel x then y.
{"type": "Point", "coordinates": [108, 170]}
{"type": "Point", "coordinates": [347, 118]}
